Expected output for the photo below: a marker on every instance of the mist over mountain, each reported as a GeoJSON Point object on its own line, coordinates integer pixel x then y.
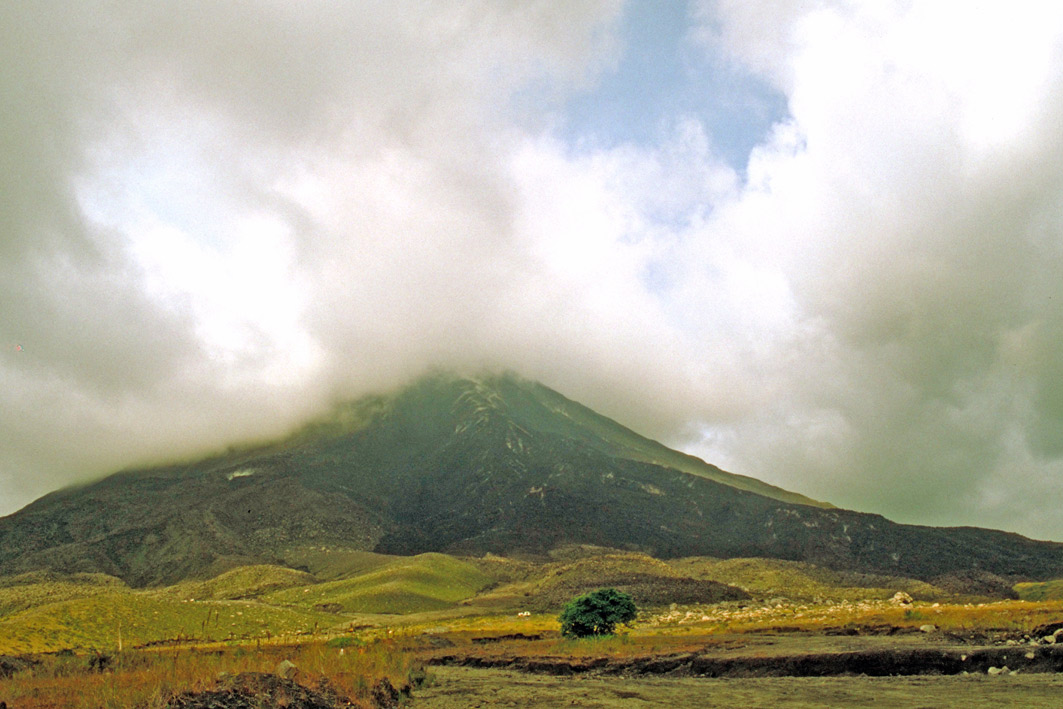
{"type": "Point", "coordinates": [471, 465]}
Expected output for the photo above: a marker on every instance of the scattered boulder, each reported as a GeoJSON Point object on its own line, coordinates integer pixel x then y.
{"type": "Point", "coordinates": [1055, 629]}
{"type": "Point", "coordinates": [901, 599]}
{"type": "Point", "coordinates": [928, 628]}
{"type": "Point", "coordinates": [998, 670]}
{"type": "Point", "coordinates": [287, 670]}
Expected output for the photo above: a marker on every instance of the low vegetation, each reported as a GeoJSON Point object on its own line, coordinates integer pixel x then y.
{"type": "Point", "coordinates": [40, 587]}
{"type": "Point", "coordinates": [349, 619]}
{"type": "Point", "coordinates": [152, 680]}
{"type": "Point", "coordinates": [403, 585]}
{"type": "Point", "coordinates": [1043, 591]}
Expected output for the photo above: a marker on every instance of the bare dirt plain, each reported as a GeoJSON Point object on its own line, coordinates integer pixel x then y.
{"type": "Point", "coordinates": [463, 687]}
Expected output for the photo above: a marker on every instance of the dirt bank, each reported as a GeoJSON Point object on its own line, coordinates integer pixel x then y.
{"type": "Point", "coordinates": [776, 656]}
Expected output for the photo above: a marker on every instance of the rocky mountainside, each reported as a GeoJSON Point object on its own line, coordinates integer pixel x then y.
{"type": "Point", "coordinates": [493, 464]}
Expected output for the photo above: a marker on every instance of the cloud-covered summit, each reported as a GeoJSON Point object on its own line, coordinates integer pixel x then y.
{"type": "Point", "coordinates": [218, 217]}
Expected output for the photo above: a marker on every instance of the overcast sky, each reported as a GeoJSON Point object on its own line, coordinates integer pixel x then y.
{"type": "Point", "coordinates": [819, 243]}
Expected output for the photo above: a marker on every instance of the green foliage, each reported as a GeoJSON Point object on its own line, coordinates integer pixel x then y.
{"type": "Point", "coordinates": [597, 613]}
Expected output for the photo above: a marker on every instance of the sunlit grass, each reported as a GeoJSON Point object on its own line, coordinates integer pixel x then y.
{"type": "Point", "coordinates": [1043, 591]}
{"type": "Point", "coordinates": [145, 679]}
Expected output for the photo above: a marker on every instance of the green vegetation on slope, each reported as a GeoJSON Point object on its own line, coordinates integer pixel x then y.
{"type": "Point", "coordinates": [97, 622]}
{"type": "Point", "coordinates": [39, 588]}
{"type": "Point", "coordinates": [1043, 591]}
{"type": "Point", "coordinates": [800, 580]}
{"type": "Point", "coordinates": [241, 582]}
{"type": "Point", "coordinates": [328, 563]}
{"type": "Point", "coordinates": [615, 439]}
{"type": "Point", "coordinates": [547, 587]}
{"type": "Point", "coordinates": [47, 612]}
{"type": "Point", "coordinates": [416, 584]}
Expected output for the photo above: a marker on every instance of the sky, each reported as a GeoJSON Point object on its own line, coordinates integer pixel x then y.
{"type": "Point", "coordinates": [815, 242]}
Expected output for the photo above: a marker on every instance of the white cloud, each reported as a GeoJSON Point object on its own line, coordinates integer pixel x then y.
{"type": "Point", "coordinates": [218, 218]}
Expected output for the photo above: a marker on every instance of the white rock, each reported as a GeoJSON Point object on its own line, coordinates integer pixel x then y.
{"type": "Point", "coordinates": [928, 628]}
{"type": "Point", "coordinates": [287, 669]}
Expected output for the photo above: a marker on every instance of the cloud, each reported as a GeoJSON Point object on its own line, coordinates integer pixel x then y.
{"type": "Point", "coordinates": [218, 218]}
{"type": "Point", "coordinates": [914, 202]}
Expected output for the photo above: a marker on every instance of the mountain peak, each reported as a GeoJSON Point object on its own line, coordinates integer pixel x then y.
{"type": "Point", "coordinates": [490, 463]}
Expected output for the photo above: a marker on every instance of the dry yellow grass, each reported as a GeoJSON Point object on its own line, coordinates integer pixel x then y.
{"type": "Point", "coordinates": [146, 679]}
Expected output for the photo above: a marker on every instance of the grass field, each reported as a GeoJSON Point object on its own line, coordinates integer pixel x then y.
{"type": "Point", "coordinates": [341, 590]}
{"type": "Point", "coordinates": [402, 585]}
{"type": "Point", "coordinates": [350, 618]}
{"type": "Point", "coordinates": [147, 680]}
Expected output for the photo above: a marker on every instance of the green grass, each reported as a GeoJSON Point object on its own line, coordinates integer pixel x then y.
{"type": "Point", "coordinates": [1041, 591]}
{"type": "Point", "coordinates": [404, 585]}
{"type": "Point", "coordinates": [329, 563]}
{"type": "Point", "coordinates": [800, 580]}
{"type": "Point", "coordinates": [43, 612]}
{"type": "Point", "coordinates": [242, 582]}
{"type": "Point", "coordinates": [18, 593]}
{"type": "Point", "coordinates": [140, 618]}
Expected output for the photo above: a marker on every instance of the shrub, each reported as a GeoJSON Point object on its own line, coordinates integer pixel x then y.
{"type": "Point", "coordinates": [596, 613]}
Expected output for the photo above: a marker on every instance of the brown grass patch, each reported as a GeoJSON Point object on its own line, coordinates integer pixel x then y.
{"type": "Point", "coordinates": [147, 679]}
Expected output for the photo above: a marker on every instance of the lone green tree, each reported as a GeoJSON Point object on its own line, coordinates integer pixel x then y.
{"type": "Point", "coordinates": [596, 613]}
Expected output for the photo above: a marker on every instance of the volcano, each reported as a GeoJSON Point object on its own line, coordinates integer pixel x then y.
{"type": "Point", "coordinates": [469, 466]}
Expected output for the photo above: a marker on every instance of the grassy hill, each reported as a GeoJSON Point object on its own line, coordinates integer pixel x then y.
{"type": "Point", "coordinates": [41, 587]}
{"type": "Point", "coordinates": [799, 580]}
{"type": "Point", "coordinates": [47, 612]}
{"type": "Point", "coordinates": [331, 562]}
{"type": "Point", "coordinates": [649, 581]}
{"type": "Point", "coordinates": [241, 582]}
{"type": "Point", "coordinates": [426, 582]}
{"type": "Point", "coordinates": [1043, 591]}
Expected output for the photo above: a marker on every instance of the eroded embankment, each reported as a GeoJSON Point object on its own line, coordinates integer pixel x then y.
{"type": "Point", "coordinates": [873, 663]}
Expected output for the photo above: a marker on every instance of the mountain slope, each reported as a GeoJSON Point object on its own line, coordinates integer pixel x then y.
{"type": "Point", "coordinates": [468, 466]}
